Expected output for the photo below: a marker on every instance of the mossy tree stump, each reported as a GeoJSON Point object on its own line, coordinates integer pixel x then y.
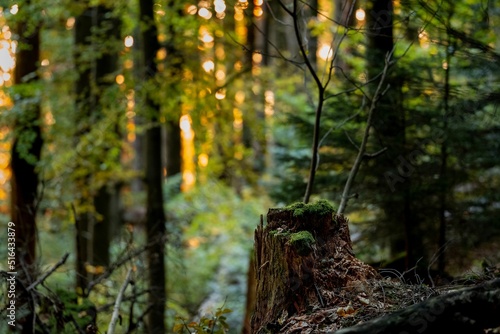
{"type": "Point", "coordinates": [303, 254]}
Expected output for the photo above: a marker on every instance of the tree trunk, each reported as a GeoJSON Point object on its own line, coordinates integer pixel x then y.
{"type": "Point", "coordinates": [312, 39]}
{"type": "Point", "coordinates": [389, 125]}
{"type": "Point", "coordinates": [471, 310]}
{"type": "Point", "coordinates": [254, 123]}
{"type": "Point", "coordinates": [155, 216]}
{"type": "Point", "coordinates": [26, 152]}
{"type": "Point", "coordinates": [345, 15]}
{"type": "Point", "coordinates": [25, 155]}
{"type": "Point", "coordinates": [174, 66]}
{"type": "Point", "coordinates": [342, 11]}
{"type": "Point", "coordinates": [93, 234]}
{"type": "Point", "coordinates": [302, 255]}
{"type": "Point", "coordinates": [174, 159]}
{"type": "Point", "coordinates": [107, 205]}
{"type": "Point", "coordinates": [250, 301]}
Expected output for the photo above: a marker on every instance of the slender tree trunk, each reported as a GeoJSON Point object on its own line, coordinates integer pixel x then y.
{"type": "Point", "coordinates": [268, 34]}
{"type": "Point", "coordinates": [85, 103]}
{"type": "Point", "coordinates": [174, 68]}
{"type": "Point", "coordinates": [389, 125]}
{"type": "Point", "coordinates": [25, 155]}
{"type": "Point", "coordinates": [107, 199]}
{"type": "Point", "coordinates": [174, 159]}
{"type": "Point", "coordinates": [26, 152]}
{"type": "Point", "coordinates": [253, 113]}
{"type": "Point", "coordinates": [155, 216]}
{"type": "Point", "coordinates": [312, 39]}
{"type": "Point", "coordinates": [137, 184]}
{"type": "Point", "coordinates": [342, 11]}
{"type": "Point", "coordinates": [93, 232]}
{"type": "Point", "coordinates": [443, 177]}
{"type": "Point", "coordinates": [344, 16]}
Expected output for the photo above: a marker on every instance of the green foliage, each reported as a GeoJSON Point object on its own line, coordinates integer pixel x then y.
{"type": "Point", "coordinates": [466, 130]}
{"type": "Point", "coordinates": [83, 312]}
{"type": "Point", "coordinates": [215, 324]}
{"type": "Point", "coordinates": [209, 248]}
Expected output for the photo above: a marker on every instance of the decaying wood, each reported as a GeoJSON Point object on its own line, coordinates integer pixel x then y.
{"type": "Point", "coordinates": [303, 255]}
{"type": "Point", "coordinates": [308, 281]}
{"type": "Point", "coordinates": [471, 310]}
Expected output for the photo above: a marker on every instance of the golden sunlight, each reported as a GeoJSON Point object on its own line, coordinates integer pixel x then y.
{"type": "Point", "coordinates": [269, 105]}
{"type": "Point", "coordinates": [360, 15]}
{"type": "Point", "coordinates": [70, 23]}
{"type": "Point", "coordinates": [208, 65]}
{"type": "Point", "coordinates": [188, 153]}
{"type": "Point", "coordinates": [120, 79]}
{"type": "Point", "coordinates": [14, 9]}
{"type": "Point", "coordinates": [205, 13]}
{"type": "Point", "coordinates": [220, 6]}
{"type": "Point", "coordinates": [220, 94]}
{"type": "Point", "coordinates": [128, 41]}
{"type": "Point", "coordinates": [203, 160]}
{"type": "Point", "coordinates": [191, 9]}
{"type": "Point", "coordinates": [325, 52]}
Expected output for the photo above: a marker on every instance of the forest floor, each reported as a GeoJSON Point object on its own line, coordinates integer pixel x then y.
{"type": "Point", "coordinates": [367, 300]}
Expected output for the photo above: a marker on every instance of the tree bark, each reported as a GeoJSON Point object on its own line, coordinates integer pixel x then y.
{"type": "Point", "coordinates": [302, 255]}
{"type": "Point", "coordinates": [26, 152]}
{"type": "Point", "coordinates": [469, 311]}
{"type": "Point", "coordinates": [389, 125]}
{"type": "Point", "coordinates": [25, 155]}
{"type": "Point", "coordinates": [250, 302]}
{"type": "Point", "coordinates": [254, 118]}
{"type": "Point", "coordinates": [93, 234]}
{"type": "Point", "coordinates": [174, 66]}
{"type": "Point", "coordinates": [155, 215]}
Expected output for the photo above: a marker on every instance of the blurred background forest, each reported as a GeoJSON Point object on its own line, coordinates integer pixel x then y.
{"type": "Point", "coordinates": [151, 135]}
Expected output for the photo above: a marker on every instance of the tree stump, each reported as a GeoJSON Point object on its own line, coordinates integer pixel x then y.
{"type": "Point", "coordinates": [303, 255]}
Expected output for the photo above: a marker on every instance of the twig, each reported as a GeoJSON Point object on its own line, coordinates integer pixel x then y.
{"type": "Point", "coordinates": [116, 309]}
{"type": "Point", "coordinates": [319, 107]}
{"type": "Point", "coordinates": [376, 154]}
{"type": "Point", "coordinates": [343, 122]}
{"type": "Point", "coordinates": [362, 149]}
{"type": "Point", "coordinates": [132, 298]}
{"type": "Point", "coordinates": [321, 94]}
{"type": "Point", "coordinates": [351, 140]}
{"type": "Point", "coordinates": [118, 264]}
{"type": "Point", "coordinates": [48, 273]}
{"type": "Point", "coordinates": [140, 318]}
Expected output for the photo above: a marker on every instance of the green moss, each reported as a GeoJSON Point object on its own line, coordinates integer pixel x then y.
{"type": "Point", "coordinates": [321, 207]}
{"type": "Point", "coordinates": [302, 242]}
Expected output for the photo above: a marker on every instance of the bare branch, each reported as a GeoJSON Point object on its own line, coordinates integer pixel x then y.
{"type": "Point", "coordinates": [376, 154]}
{"type": "Point", "coordinates": [116, 309]}
{"type": "Point", "coordinates": [278, 56]}
{"type": "Point", "coordinates": [118, 264]}
{"type": "Point", "coordinates": [286, 9]}
{"type": "Point", "coordinates": [339, 125]}
{"type": "Point", "coordinates": [362, 149]}
{"type": "Point", "coordinates": [351, 140]}
{"type": "Point", "coordinates": [48, 273]}
{"type": "Point", "coordinates": [344, 35]}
